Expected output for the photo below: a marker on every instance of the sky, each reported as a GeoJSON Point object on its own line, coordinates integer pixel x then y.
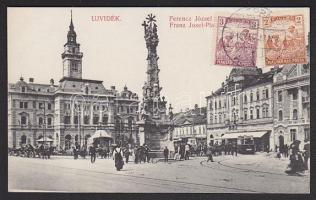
{"type": "Point", "coordinates": [115, 51]}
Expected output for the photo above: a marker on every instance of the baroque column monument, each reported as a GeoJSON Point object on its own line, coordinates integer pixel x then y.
{"type": "Point", "coordinates": [154, 125]}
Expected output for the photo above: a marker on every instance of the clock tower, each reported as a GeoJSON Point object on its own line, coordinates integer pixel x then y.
{"type": "Point", "coordinates": [72, 57]}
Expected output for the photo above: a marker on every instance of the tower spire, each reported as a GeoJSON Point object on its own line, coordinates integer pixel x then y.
{"type": "Point", "coordinates": [71, 24]}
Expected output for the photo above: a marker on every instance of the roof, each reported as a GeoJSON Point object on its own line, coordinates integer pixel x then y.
{"type": "Point", "coordinates": [80, 80]}
{"type": "Point", "coordinates": [250, 79]}
{"type": "Point", "coordinates": [193, 116]}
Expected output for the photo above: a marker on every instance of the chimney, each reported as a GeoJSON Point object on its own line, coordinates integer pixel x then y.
{"type": "Point", "coordinates": [51, 81]}
{"type": "Point", "coordinates": [112, 87]}
{"type": "Point", "coordinates": [31, 80]}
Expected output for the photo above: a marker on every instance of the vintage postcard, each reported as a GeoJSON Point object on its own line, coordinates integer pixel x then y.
{"type": "Point", "coordinates": [158, 100]}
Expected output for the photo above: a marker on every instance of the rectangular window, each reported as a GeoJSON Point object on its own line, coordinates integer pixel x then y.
{"type": "Point", "coordinates": [67, 120]}
{"type": "Point", "coordinates": [294, 95]}
{"type": "Point", "coordinates": [258, 96]}
{"type": "Point", "coordinates": [258, 113]}
{"type": "Point", "coordinates": [21, 104]}
{"type": "Point", "coordinates": [23, 120]}
{"type": "Point", "coordinates": [49, 121]}
{"type": "Point", "coordinates": [293, 134]}
{"type": "Point", "coordinates": [267, 93]}
{"type": "Point", "coordinates": [25, 104]}
{"type": "Point", "coordinates": [279, 96]}
{"type": "Point", "coordinates": [306, 133]}
{"type": "Point", "coordinates": [34, 104]}
{"type": "Point", "coordinates": [251, 114]}
{"type": "Point", "coordinates": [40, 106]}
{"type": "Point", "coordinates": [245, 115]}
{"type": "Point", "coordinates": [49, 106]}
{"type": "Point", "coordinates": [86, 119]}
{"type": "Point", "coordinates": [76, 120]}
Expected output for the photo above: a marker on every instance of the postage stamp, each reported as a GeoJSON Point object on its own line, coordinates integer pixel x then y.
{"type": "Point", "coordinates": [284, 39]}
{"type": "Point", "coordinates": [236, 43]}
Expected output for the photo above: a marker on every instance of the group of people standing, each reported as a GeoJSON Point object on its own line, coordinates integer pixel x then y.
{"type": "Point", "coordinates": [299, 160]}
{"type": "Point", "coordinates": [182, 152]}
{"type": "Point", "coordinates": [141, 154]}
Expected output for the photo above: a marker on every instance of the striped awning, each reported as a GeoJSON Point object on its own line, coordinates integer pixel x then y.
{"type": "Point", "coordinates": [257, 134]}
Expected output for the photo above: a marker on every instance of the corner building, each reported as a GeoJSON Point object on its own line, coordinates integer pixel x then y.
{"type": "Point", "coordinates": [71, 111]}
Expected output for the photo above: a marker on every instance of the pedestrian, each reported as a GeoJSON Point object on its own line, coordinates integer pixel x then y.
{"type": "Point", "coordinates": [210, 154]}
{"type": "Point", "coordinates": [166, 153]}
{"type": "Point", "coordinates": [296, 160]}
{"type": "Point", "coordinates": [177, 154]}
{"type": "Point", "coordinates": [147, 150]}
{"type": "Point", "coordinates": [118, 158]}
{"type": "Point", "coordinates": [235, 147]}
{"type": "Point", "coordinates": [187, 151]}
{"type": "Point", "coordinates": [286, 151]}
{"type": "Point", "coordinates": [93, 153]}
{"type": "Point", "coordinates": [75, 153]}
{"type": "Point", "coordinates": [126, 154]}
{"type": "Point", "coordinates": [182, 151]}
{"type": "Point", "coordinates": [306, 154]}
{"type": "Point", "coordinates": [136, 153]}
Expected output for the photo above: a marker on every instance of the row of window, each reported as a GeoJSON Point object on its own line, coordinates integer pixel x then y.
{"type": "Point", "coordinates": [265, 94]}
{"type": "Point", "coordinates": [41, 121]}
{"type": "Point", "coordinates": [294, 115]}
{"type": "Point", "coordinates": [25, 105]}
{"type": "Point", "coordinates": [23, 89]}
{"type": "Point", "coordinates": [220, 118]}
{"type": "Point", "coordinates": [86, 120]}
{"type": "Point", "coordinates": [293, 92]}
{"type": "Point", "coordinates": [189, 130]}
{"type": "Point", "coordinates": [120, 109]}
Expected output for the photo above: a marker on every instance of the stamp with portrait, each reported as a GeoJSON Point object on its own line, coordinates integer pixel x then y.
{"type": "Point", "coordinates": [237, 40]}
{"type": "Point", "coordinates": [284, 39]}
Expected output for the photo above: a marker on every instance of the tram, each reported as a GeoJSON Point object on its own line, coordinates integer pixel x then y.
{"type": "Point", "coordinates": [246, 144]}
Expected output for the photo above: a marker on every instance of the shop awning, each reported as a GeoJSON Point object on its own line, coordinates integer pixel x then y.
{"type": "Point", "coordinates": [101, 134]}
{"type": "Point", "coordinates": [257, 134]}
{"type": "Point", "coordinates": [44, 140]}
{"type": "Point", "coordinates": [200, 136]}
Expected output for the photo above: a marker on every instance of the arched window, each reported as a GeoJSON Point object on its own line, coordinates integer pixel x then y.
{"type": "Point", "coordinates": [295, 114]}
{"type": "Point", "coordinates": [245, 98]}
{"type": "Point", "coordinates": [280, 115]}
{"type": "Point", "coordinates": [251, 97]}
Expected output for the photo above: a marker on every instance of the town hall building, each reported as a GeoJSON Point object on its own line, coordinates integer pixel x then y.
{"type": "Point", "coordinates": [71, 111]}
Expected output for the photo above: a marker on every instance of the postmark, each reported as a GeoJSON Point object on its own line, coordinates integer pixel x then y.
{"type": "Point", "coordinates": [237, 40]}
{"type": "Point", "coordinates": [284, 39]}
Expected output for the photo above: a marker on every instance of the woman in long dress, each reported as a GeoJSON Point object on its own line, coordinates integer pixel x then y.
{"type": "Point", "coordinates": [118, 158]}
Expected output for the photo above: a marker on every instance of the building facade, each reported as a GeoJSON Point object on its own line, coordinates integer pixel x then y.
{"type": "Point", "coordinates": [71, 111]}
{"type": "Point", "coordinates": [272, 107]}
{"type": "Point", "coordinates": [292, 104]}
{"type": "Point", "coordinates": [242, 106]}
{"type": "Point", "coordinates": [190, 127]}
